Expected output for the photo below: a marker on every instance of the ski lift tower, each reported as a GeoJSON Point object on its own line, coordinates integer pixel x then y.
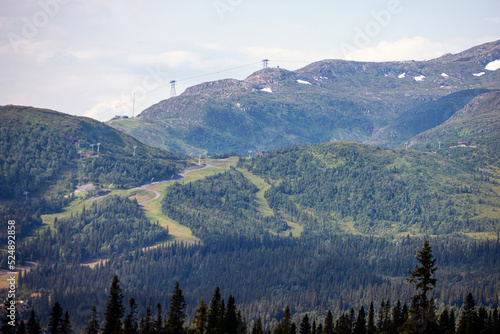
{"type": "Point", "coordinates": [172, 88]}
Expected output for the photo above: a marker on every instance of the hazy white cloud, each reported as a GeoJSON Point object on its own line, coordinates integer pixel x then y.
{"type": "Point", "coordinates": [417, 48]}
{"type": "Point", "coordinates": [493, 19]}
{"type": "Point", "coordinates": [173, 58]}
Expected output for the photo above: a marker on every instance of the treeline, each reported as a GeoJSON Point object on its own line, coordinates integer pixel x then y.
{"type": "Point", "coordinates": [380, 191]}
{"type": "Point", "coordinates": [222, 204]}
{"type": "Point", "coordinates": [265, 273]}
{"type": "Point", "coordinates": [104, 229]}
{"type": "Point", "coordinates": [220, 317]}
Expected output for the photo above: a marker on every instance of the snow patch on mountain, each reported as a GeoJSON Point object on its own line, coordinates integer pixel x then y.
{"type": "Point", "coordinates": [303, 82]}
{"type": "Point", "coordinates": [493, 65]}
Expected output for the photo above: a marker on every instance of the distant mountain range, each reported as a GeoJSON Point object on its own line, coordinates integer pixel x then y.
{"type": "Point", "coordinates": [383, 103]}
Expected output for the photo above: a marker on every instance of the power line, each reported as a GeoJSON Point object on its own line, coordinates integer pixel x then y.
{"type": "Point", "coordinates": [265, 63]}
{"type": "Point", "coordinates": [217, 72]}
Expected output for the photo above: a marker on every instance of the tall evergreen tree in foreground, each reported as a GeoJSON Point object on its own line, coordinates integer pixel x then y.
{"type": "Point", "coordinates": [33, 327]}
{"type": "Point", "coordinates": [114, 309]}
{"type": "Point", "coordinates": [93, 325]}
{"type": "Point", "coordinates": [422, 317]}
{"type": "Point", "coordinates": [215, 314]}
{"type": "Point", "coordinates": [285, 325]}
{"type": "Point", "coordinates": [58, 324]}
{"type": "Point", "coordinates": [200, 318]}
{"type": "Point", "coordinates": [176, 315]}
{"type": "Point", "coordinates": [329, 326]}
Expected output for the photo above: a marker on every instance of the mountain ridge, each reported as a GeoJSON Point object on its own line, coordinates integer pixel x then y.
{"type": "Point", "coordinates": [324, 101]}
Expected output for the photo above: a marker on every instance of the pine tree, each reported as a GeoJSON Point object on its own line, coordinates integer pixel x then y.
{"type": "Point", "coordinates": [146, 323]}
{"type": "Point", "coordinates": [496, 321]}
{"type": "Point", "coordinates": [482, 319]}
{"type": "Point", "coordinates": [305, 325]}
{"type": "Point", "coordinates": [257, 327]}
{"type": "Point", "coordinates": [242, 323]}
{"type": "Point", "coordinates": [114, 309]}
{"type": "Point", "coordinates": [21, 329]}
{"type": "Point", "coordinates": [343, 324]}
{"type": "Point", "coordinates": [384, 320]}
{"type": "Point", "coordinates": [200, 318]}
{"type": "Point", "coordinates": [360, 325]}
{"type": "Point", "coordinates": [130, 322]}
{"type": "Point", "coordinates": [158, 325]}
{"type": "Point", "coordinates": [285, 325]}
{"type": "Point", "coordinates": [422, 317]}
{"type": "Point", "coordinates": [33, 326]}
{"type": "Point", "coordinates": [468, 319]}
{"type": "Point", "coordinates": [66, 324]}
{"type": "Point", "coordinates": [328, 328]}
{"type": "Point", "coordinates": [215, 314]}
{"type": "Point", "coordinates": [370, 327]}
{"type": "Point", "coordinates": [176, 315]}
{"type": "Point", "coordinates": [397, 317]}
{"type": "Point", "coordinates": [93, 325]}
{"type": "Point", "coordinates": [56, 320]}
{"type": "Point", "coordinates": [230, 323]}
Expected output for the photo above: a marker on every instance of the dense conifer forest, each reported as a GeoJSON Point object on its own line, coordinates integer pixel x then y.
{"type": "Point", "coordinates": [420, 315]}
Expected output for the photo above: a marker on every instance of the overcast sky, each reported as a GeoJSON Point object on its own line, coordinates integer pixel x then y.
{"type": "Point", "coordinates": [89, 57]}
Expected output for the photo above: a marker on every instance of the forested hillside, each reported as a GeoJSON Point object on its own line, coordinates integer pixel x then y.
{"type": "Point", "coordinates": [364, 189]}
{"type": "Point", "coordinates": [45, 155]}
{"type": "Point", "coordinates": [44, 152]}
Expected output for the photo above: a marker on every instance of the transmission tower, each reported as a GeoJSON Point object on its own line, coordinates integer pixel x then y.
{"type": "Point", "coordinates": [265, 63]}
{"type": "Point", "coordinates": [133, 107]}
{"type": "Point", "coordinates": [172, 88]}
